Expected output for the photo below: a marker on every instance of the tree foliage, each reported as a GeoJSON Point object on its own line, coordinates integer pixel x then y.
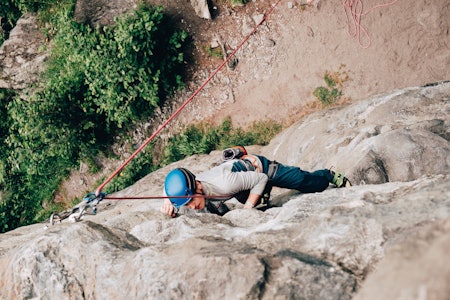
{"type": "Point", "coordinates": [9, 14]}
{"type": "Point", "coordinates": [200, 138]}
{"type": "Point", "coordinates": [96, 82]}
{"type": "Point", "coordinates": [11, 10]}
{"type": "Point", "coordinates": [204, 138]}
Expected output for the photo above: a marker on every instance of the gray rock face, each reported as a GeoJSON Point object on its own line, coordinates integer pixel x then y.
{"type": "Point", "coordinates": [21, 56]}
{"type": "Point", "coordinates": [413, 269]}
{"type": "Point", "coordinates": [399, 136]}
{"type": "Point", "coordinates": [201, 8]}
{"type": "Point", "coordinates": [368, 240]}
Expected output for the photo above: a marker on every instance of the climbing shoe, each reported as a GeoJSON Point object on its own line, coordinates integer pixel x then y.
{"type": "Point", "coordinates": [339, 180]}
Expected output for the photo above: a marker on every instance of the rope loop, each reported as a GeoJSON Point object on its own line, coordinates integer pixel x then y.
{"type": "Point", "coordinates": [354, 11]}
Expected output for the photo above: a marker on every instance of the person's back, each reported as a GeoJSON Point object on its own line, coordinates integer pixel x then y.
{"type": "Point", "coordinates": [239, 174]}
{"type": "Point", "coordinates": [221, 180]}
{"type": "Point", "coordinates": [283, 176]}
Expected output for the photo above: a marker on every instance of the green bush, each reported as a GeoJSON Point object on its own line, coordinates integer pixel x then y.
{"type": "Point", "coordinates": [97, 81]}
{"type": "Point", "coordinates": [204, 138]}
{"type": "Point", "coordinates": [332, 92]}
{"type": "Point", "coordinates": [196, 139]}
{"type": "Point", "coordinates": [326, 95]}
{"type": "Point", "coordinates": [238, 2]}
{"type": "Point", "coordinates": [12, 10]}
{"type": "Point", "coordinates": [138, 64]}
{"type": "Point", "coordinates": [6, 97]}
{"type": "Point", "coordinates": [9, 14]}
{"type": "Point", "coordinates": [33, 5]}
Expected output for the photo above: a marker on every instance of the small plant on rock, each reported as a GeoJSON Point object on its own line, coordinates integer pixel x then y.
{"type": "Point", "coordinates": [236, 2]}
{"type": "Point", "coordinates": [333, 91]}
{"type": "Point", "coordinates": [214, 52]}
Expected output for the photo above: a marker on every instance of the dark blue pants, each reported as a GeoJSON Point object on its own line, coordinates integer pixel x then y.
{"type": "Point", "coordinates": [291, 177]}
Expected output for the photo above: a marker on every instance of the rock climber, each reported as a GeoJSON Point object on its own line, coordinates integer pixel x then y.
{"type": "Point", "coordinates": [283, 176]}
{"type": "Point", "coordinates": [239, 173]}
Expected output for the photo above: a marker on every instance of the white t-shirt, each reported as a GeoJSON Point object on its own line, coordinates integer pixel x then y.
{"type": "Point", "coordinates": [221, 181]}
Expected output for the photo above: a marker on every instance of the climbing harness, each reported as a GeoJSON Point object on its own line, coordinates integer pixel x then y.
{"type": "Point", "coordinates": [89, 203]}
{"type": "Point", "coordinates": [272, 169]}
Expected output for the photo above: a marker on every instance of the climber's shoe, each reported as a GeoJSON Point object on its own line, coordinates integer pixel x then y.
{"type": "Point", "coordinates": [339, 180]}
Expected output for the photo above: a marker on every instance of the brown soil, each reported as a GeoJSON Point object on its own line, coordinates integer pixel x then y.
{"type": "Point", "coordinates": [286, 59]}
{"type": "Point", "coordinates": [282, 63]}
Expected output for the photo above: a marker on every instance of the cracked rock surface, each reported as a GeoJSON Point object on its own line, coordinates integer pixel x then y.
{"type": "Point", "coordinates": [378, 236]}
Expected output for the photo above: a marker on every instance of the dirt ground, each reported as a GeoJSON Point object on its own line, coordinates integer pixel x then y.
{"type": "Point", "coordinates": [406, 43]}
{"type": "Point", "coordinates": [280, 65]}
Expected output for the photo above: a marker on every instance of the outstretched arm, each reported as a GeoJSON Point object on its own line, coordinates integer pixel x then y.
{"type": "Point", "coordinates": [252, 200]}
{"type": "Point", "coordinates": [253, 181]}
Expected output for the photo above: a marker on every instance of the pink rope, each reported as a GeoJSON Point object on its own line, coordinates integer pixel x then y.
{"type": "Point", "coordinates": [354, 11]}
{"type": "Point", "coordinates": [178, 111]}
{"type": "Point", "coordinates": [166, 197]}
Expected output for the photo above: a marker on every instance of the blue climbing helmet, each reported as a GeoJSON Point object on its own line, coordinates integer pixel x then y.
{"type": "Point", "coordinates": [180, 182]}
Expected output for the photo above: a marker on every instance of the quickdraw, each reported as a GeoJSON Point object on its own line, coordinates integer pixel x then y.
{"type": "Point", "coordinates": [88, 206]}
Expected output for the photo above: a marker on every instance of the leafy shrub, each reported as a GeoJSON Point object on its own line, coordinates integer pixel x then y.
{"type": "Point", "coordinates": [97, 81]}
{"type": "Point", "coordinates": [138, 64]}
{"type": "Point", "coordinates": [327, 95]}
{"type": "Point", "coordinates": [238, 2]}
{"type": "Point", "coordinates": [6, 96]}
{"type": "Point", "coordinates": [214, 52]}
{"type": "Point", "coordinates": [204, 138]}
{"type": "Point", "coordinates": [34, 5]}
{"type": "Point", "coordinates": [332, 92]}
{"type": "Point", "coordinates": [139, 167]}
{"type": "Point", "coordinates": [196, 139]}
{"type": "Point", "coordinates": [11, 10]}
{"type": "Point", "coordinates": [9, 14]}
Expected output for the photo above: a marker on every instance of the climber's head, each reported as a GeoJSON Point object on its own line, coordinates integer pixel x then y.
{"type": "Point", "coordinates": [181, 187]}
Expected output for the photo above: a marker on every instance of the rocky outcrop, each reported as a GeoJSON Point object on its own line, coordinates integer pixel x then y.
{"type": "Point", "coordinates": [399, 136]}
{"type": "Point", "coordinates": [22, 55]}
{"type": "Point", "coordinates": [413, 269]}
{"type": "Point", "coordinates": [388, 239]}
{"type": "Point", "coordinates": [201, 8]}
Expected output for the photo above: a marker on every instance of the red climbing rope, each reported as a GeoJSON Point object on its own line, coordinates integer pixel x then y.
{"type": "Point", "coordinates": [167, 197]}
{"type": "Point", "coordinates": [354, 11]}
{"type": "Point", "coordinates": [161, 127]}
